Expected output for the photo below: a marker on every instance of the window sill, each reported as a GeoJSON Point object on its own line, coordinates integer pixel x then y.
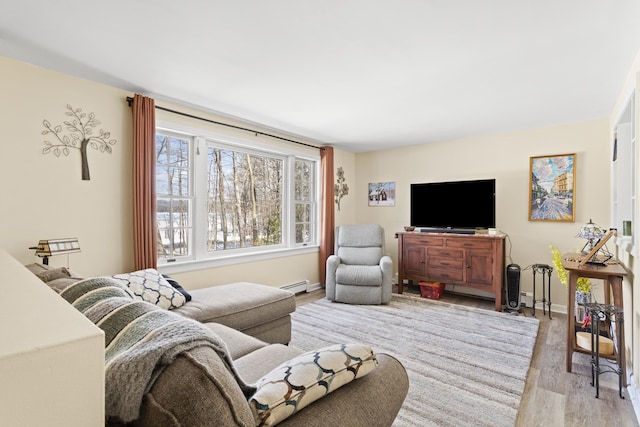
{"type": "Point", "coordinates": [202, 264]}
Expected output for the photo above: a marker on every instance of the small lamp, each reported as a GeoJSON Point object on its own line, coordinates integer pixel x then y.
{"type": "Point", "coordinates": [595, 250]}
{"type": "Point", "coordinates": [593, 233]}
{"type": "Point", "coordinates": [47, 248]}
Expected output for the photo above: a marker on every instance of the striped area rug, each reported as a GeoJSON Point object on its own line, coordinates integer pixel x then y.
{"type": "Point", "coordinates": [466, 366]}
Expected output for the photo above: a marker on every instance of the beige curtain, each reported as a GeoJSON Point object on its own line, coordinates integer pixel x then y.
{"type": "Point", "coordinates": [327, 210]}
{"type": "Point", "coordinates": [145, 245]}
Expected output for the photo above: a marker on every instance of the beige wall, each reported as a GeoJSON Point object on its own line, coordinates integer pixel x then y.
{"type": "Point", "coordinates": [44, 196]}
{"type": "Point", "coordinates": [272, 272]}
{"type": "Point", "coordinates": [504, 157]}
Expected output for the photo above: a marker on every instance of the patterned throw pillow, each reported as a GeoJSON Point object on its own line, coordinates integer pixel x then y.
{"type": "Point", "coordinates": [173, 282]}
{"type": "Point", "coordinates": [150, 286]}
{"type": "Point", "coordinates": [306, 378]}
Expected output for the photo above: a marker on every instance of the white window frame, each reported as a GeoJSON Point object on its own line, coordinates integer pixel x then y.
{"type": "Point", "coordinates": [625, 174]}
{"type": "Point", "coordinates": [199, 257]}
{"type": "Point", "coordinates": [315, 199]}
{"type": "Point", "coordinates": [190, 197]}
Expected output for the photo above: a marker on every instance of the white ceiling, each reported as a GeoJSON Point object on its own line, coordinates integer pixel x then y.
{"type": "Point", "coordinates": [361, 75]}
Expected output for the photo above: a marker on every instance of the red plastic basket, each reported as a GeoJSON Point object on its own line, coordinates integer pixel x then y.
{"type": "Point", "coordinates": [431, 290]}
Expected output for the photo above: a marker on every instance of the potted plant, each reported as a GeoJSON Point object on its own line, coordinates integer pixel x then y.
{"type": "Point", "coordinates": [583, 285]}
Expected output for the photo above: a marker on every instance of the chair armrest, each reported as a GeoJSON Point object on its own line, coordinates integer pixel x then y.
{"type": "Point", "coordinates": [330, 278]}
{"type": "Point", "coordinates": [386, 265]}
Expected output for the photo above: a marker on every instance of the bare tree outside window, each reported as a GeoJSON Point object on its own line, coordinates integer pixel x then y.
{"type": "Point", "coordinates": [244, 201]}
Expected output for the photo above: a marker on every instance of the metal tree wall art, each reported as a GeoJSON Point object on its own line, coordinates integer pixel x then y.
{"type": "Point", "coordinates": [341, 187]}
{"type": "Point", "coordinates": [80, 128]}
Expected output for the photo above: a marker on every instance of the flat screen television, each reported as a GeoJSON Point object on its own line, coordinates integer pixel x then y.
{"type": "Point", "coordinates": [461, 205]}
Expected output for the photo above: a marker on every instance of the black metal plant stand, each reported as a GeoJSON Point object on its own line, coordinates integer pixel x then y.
{"type": "Point", "coordinates": [612, 318]}
{"type": "Point", "coordinates": [542, 269]}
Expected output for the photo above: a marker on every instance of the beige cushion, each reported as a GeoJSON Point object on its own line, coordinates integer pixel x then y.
{"type": "Point", "coordinates": [53, 274]}
{"type": "Point", "coordinates": [240, 306]}
{"type": "Point", "coordinates": [36, 268]}
{"type": "Point", "coordinates": [238, 344]}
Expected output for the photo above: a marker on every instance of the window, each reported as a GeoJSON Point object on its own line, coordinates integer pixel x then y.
{"type": "Point", "coordinates": [304, 201]}
{"type": "Point", "coordinates": [219, 198]}
{"type": "Point", "coordinates": [625, 152]}
{"type": "Point", "coordinates": [244, 199]}
{"type": "Point", "coordinates": [173, 195]}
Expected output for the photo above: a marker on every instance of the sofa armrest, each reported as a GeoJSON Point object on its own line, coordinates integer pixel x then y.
{"type": "Point", "coordinates": [195, 390]}
{"type": "Point", "coordinates": [373, 400]}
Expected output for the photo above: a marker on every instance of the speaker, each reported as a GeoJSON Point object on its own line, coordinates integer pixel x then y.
{"type": "Point", "coordinates": [513, 287]}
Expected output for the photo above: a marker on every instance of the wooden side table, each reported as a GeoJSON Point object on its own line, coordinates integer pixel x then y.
{"type": "Point", "coordinates": [612, 275]}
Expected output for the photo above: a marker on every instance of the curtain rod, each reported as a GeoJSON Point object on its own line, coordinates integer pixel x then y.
{"type": "Point", "coordinates": [180, 113]}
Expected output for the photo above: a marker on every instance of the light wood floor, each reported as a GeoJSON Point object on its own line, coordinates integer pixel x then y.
{"type": "Point", "coordinates": [552, 396]}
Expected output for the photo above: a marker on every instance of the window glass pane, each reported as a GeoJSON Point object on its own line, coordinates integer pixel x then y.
{"type": "Point", "coordinates": [303, 180]}
{"type": "Point", "coordinates": [161, 149]}
{"type": "Point", "coordinates": [173, 203]}
{"type": "Point", "coordinates": [304, 196]}
{"type": "Point", "coordinates": [174, 228]}
{"type": "Point", "coordinates": [244, 199]}
{"type": "Point", "coordinates": [181, 227]}
{"type": "Point", "coordinates": [303, 233]}
{"type": "Point", "coordinates": [302, 213]}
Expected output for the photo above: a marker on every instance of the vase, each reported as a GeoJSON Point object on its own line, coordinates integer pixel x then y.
{"type": "Point", "coordinates": [581, 298]}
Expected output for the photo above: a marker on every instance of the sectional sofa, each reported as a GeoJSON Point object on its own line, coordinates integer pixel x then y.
{"type": "Point", "coordinates": [249, 376]}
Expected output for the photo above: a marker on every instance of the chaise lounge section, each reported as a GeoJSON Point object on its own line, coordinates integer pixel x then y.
{"type": "Point", "coordinates": [260, 311]}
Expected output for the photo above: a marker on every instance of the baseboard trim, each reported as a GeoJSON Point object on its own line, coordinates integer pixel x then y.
{"type": "Point", "coordinates": [314, 287]}
{"type": "Point", "coordinates": [297, 287]}
{"type": "Point", "coordinates": [634, 395]}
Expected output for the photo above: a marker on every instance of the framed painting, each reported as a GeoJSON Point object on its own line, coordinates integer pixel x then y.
{"type": "Point", "coordinates": [552, 185]}
{"type": "Point", "coordinates": [382, 194]}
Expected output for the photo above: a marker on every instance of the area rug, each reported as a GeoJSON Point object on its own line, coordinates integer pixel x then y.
{"type": "Point", "coordinates": [466, 366]}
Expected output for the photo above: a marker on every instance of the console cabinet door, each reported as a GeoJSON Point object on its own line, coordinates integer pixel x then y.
{"type": "Point", "coordinates": [414, 261]}
{"type": "Point", "coordinates": [479, 266]}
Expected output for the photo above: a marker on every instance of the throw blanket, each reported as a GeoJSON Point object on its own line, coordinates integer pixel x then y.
{"type": "Point", "coordinates": [140, 339]}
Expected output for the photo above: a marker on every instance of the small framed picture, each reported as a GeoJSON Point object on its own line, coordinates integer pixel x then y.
{"type": "Point", "coordinates": [552, 185]}
{"type": "Point", "coordinates": [382, 194]}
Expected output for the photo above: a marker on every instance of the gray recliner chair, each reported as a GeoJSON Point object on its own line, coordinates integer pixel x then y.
{"type": "Point", "coordinates": [359, 272]}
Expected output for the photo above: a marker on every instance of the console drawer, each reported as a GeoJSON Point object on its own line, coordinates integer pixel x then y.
{"type": "Point", "coordinates": [445, 275]}
{"type": "Point", "coordinates": [444, 253]}
{"type": "Point", "coordinates": [417, 239]}
{"type": "Point", "coordinates": [469, 243]}
{"type": "Point", "coordinates": [445, 263]}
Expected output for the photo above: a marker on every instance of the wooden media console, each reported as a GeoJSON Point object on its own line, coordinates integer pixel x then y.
{"type": "Point", "coordinates": [470, 260]}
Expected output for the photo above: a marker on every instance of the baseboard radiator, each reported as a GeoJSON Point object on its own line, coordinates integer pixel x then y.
{"type": "Point", "coordinates": [297, 287]}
